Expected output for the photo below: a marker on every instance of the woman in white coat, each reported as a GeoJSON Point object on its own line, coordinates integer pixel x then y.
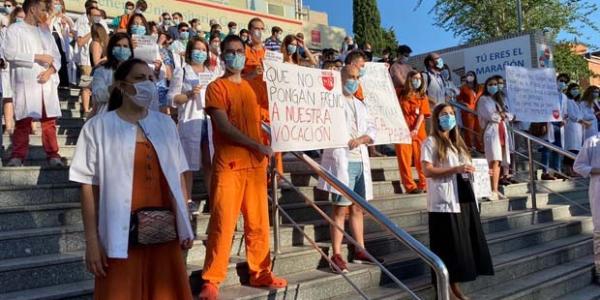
{"type": "Point", "coordinates": [352, 167]}
{"type": "Point", "coordinates": [587, 164]}
{"type": "Point", "coordinates": [187, 92]}
{"type": "Point", "coordinates": [587, 107]}
{"type": "Point", "coordinates": [118, 50]}
{"type": "Point", "coordinates": [574, 123]}
{"type": "Point", "coordinates": [34, 63]}
{"type": "Point", "coordinates": [496, 140]}
{"type": "Point", "coordinates": [61, 26]}
{"type": "Point", "coordinates": [130, 163]}
{"type": "Point", "coordinates": [16, 16]}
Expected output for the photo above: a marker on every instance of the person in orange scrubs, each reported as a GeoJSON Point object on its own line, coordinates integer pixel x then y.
{"type": "Point", "coordinates": [415, 107]}
{"type": "Point", "coordinates": [469, 94]}
{"type": "Point", "coordinates": [239, 178]}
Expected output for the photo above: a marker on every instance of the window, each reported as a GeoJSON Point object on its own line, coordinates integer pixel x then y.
{"type": "Point", "coordinates": [275, 9]}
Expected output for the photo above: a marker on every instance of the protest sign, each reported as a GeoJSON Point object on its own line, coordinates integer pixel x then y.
{"type": "Point", "coordinates": [481, 178]}
{"type": "Point", "coordinates": [274, 56]}
{"type": "Point", "coordinates": [384, 108]}
{"type": "Point", "coordinates": [146, 49]}
{"type": "Point", "coordinates": [306, 108]}
{"type": "Point", "coordinates": [532, 94]}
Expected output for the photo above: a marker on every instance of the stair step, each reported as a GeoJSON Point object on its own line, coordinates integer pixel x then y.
{"type": "Point", "coordinates": [588, 292]}
{"type": "Point", "coordinates": [11, 196]}
{"type": "Point", "coordinates": [41, 241]}
{"type": "Point", "coordinates": [39, 216]}
{"type": "Point", "coordinates": [78, 289]}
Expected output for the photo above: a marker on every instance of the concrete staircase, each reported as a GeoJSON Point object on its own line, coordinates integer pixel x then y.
{"type": "Point", "coordinates": [543, 254]}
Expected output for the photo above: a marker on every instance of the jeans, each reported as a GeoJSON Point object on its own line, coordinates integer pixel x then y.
{"type": "Point", "coordinates": [356, 183]}
{"type": "Point", "coordinates": [551, 158]}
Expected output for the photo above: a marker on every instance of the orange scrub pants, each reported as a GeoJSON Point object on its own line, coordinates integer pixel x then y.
{"type": "Point", "coordinates": [242, 190]}
{"type": "Point", "coordinates": [407, 155]}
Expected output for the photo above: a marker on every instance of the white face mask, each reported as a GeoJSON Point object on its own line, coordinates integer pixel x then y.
{"type": "Point", "coordinates": [145, 93]}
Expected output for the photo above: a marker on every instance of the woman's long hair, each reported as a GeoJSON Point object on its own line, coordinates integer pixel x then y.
{"type": "Point", "coordinates": [116, 95]}
{"type": "Point", "coordinates": [100, 35]}
{"type": "Point", "coordinates": [453, 142]}
{"type": "Point", "coordinates": [588, 95]}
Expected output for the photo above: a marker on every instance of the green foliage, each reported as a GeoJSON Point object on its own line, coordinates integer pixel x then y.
{"type": "Point", "coordinates": [367, 26]}
{"type": "Point", "coordinates": [566, 61]}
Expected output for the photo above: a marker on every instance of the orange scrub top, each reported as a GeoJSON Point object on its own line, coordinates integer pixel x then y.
{"type": "Point", "coordinates": [412, 106]}
{"type": "Point", "coordinates": [240, 103]}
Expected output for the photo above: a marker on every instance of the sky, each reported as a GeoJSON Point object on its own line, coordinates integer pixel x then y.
{"type": "Point", "coordinates": [413, 26]}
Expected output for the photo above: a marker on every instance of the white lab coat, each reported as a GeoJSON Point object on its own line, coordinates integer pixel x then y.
{"type": "Point", "coordinates": [64, 33]}
{"type": "Point", "coordinates": [588, 115]}
{"type": "Point", "coordinates": [23, 42]}
{"type": "Point", "coordinates": [191, 114]}
{"type": "Point", "coordinates": [573, 129]}
{"type": "Point", "coordinates": [101, 81]}
{"type": "Point", "coordinates": [4, 73]}
{"type": "Point", "coordinates": [336, 160]}
{"type": "Point", "coordinates": [489, 119]}
{"type": "Point", "coordinates": [563, 112]}
{"type": "Point", "coordinates": [104, 156]}
{"type": "Point", "coordinates": [588, 158]}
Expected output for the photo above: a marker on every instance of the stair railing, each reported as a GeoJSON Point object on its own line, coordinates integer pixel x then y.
{"type": "Point", "coordinates": [438, 266]}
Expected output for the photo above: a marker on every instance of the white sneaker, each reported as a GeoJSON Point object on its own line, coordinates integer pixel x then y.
{"type": "Point", "coordinates": [494, 197]}
{"type": "Point", "coordinates": [56, 162]}
{"type": "Point", "coordinates": [15, 162]}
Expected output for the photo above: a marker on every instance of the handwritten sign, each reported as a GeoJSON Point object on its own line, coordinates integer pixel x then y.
{"type": "Point", "coordinates": [146, 49]}
{"type": "Point", "coordinates": [306, 108]}
{"type": "Point", "coordinates": [481, 178]}
{"type": "Point", "coordinates": [382, 103]}
{"type": "Point", "coordinates": [274, 56]}
{"type": "Point", "coordinates": [532, 94]}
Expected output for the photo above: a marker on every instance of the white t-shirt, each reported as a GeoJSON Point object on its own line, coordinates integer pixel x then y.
{"type": "Point", "coordinates": [442, 194]}
{"type": "Point", "coordinates": [83, 27]}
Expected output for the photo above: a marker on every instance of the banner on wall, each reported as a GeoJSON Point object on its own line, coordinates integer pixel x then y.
{"type": "Point", "coordinates": [382, 103]}
{"type": "Point", "coordinates": [306, 108]}
{"type": "Point", "coordinates": [532, 94]}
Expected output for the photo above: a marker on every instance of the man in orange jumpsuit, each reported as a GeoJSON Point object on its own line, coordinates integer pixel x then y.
{"type": "Point", "coordinates": [253, 69]}
{"type": "Point", "coordinates": [239, 178]}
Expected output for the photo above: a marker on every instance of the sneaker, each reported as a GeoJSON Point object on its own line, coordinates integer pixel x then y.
{"type": "Point", "coordinates": [361, 257]}
{"type": "Point", "coordinates": [494, 197]}
{"type": "Point", "coordinates": [416, 191]}
{"type": "Point", "coordinates": [209, 292]}
{"type": "Point", "coordinates": [501, 196]}
{"type": "Point", "coordinates": [56, 162]}
{"type": "Point", "coordinates": [340, 263]}
{"type": "Point", "coordinates": [193, 207]}
{"type": "Point", "coordinates": [268, 280]}
{"type": "Point", "coordinates": [15, 162]}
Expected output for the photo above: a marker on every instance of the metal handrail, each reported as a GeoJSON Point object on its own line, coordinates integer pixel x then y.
{"type": "Point", "coordinates": [438, 266]}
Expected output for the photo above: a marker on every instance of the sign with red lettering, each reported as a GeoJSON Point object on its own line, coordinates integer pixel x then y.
{"type": "Point", "coordinates": [306, 107]}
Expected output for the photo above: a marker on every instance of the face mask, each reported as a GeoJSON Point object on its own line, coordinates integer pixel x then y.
{"type": "Point", "coordinates": [439, 63]}
{"type": "Point", "coordinates": [232, 30]}
{"type": "Point", "coordinates": [562, 85]}
{"type": "Point", "coordinates": [596, 95]}
{"type": "Point", "coordinates": [291, 49]}
{"type": "Point", "coordinates": [362, 72]}
{"type": "Point", "coordinates": [351, 86]}
{"type": "Point", "coordinates": [121, 53]}
{"type": "Point", "coordinates": [470, 78]}
{"type": "Point", "coordinates": [138, 30]}
{"type": "Point", "coordinates": [501, 86]}
{"type": "Point", "coordinates": [244, 38]}
{"type": "Point", "coordinates": [492, 89]}
{"type": "Point", "coordinates": [96, 19]}
{"type": "Point", "coordinates": [176, 22]}
{"type": "Point", "coordinates": [403, 59]}
{"type": "Point", "coordinates": [215, 48]}
{"type": "Point", "coordinates": [145, 93]}
{"type": "Point", "coordinates": [199, 56]}
{"type": "Point", "coordinates": [416, 83]}
{"type": "Point", "coordinates": [184, 35]}
{"type": "Point", "coordinates": [8, 10]}
{"type": "Point", "coordinates": [235, 62]}
{"type": "Point", "coordinates": [128, 11]}
{"type": "Point", "coordinates": [167, 22]}
{"type": "Point", "coordinates": [575, 92]}
{"type": "Point", "coordinates": [138, 11]}
{"type": "Point", "coordinates": [57, 8]}
{"type": "Point", "coordinates": [257, 34]}
{"type": "Point", "coordinates": [447, 122]}
{"type": "Point", "coordinates": [19, 20]}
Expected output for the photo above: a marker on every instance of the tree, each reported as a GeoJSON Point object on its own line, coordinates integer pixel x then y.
{"type": "Point", "coordinates": [367, 26]}
{"type": "Point", "coordinates": [566, 61]}
{"type": "Point", "coordinates": [477, 20]}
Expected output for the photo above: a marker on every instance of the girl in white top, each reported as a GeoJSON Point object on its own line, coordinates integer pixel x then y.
{"type": "Point", "coordinates": [455, 229]}
{"type": "Point", "coordinates": [574, 123]}
{"type": "Point", "coordinates": [351, 165]}
{"type": "Point", "coordinates": [493, 118]}
{"type": "Point", "coordinates": [187, 92]}
{"type": "Point", "coordinates": [588, 110]}
{"type": "Point", "coordinates": [104, 163]}
{"type": "Point", "coordinates": [118, 50]}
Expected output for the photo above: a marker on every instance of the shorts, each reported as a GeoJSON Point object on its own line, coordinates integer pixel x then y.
{"type": "Point", "coordinates": [356, 183]}
{"type": "Point", "coordinates": [86, 76]}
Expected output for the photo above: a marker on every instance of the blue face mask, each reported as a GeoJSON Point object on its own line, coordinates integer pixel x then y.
{"type": "Point", "coordinates": [596, 95]}
{"type": "Point", "coordinates": [291, 49]}
{"type": "Point", "coordinates": [439, 63]}
{"type": "Point", "coordinates": [362, 72]}
{"type": "Point", "coordinates": [575, 92]}
{"type": "Point", "coordinates": [235, 62]}
{"type": "Point", "coordinates": [492, 89]}
{"type": "Point", "coordinates": [562, 85]}
{"type": "Point", "coordinates": [447, 122]}
{"type": "Point", "coordinates": [19, 20]}
{"type": "Point", "coordinates": [121, 53]}
{"type": "Point", "coordinates": [138, 30]}
{"type": "Point", "coordinates": [351, 86]}
{"type": "Point", "coordinates": [184, 35]}
{"type": "Point", "coordinates": [416, 83]}
{"type": "Point", "coordinates": [199, 56]}
{"type": "Point", "coordinates": [57, 8]}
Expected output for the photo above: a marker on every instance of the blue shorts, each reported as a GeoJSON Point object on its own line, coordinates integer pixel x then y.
{"type": "Point", "coordinates": [356, 183]}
